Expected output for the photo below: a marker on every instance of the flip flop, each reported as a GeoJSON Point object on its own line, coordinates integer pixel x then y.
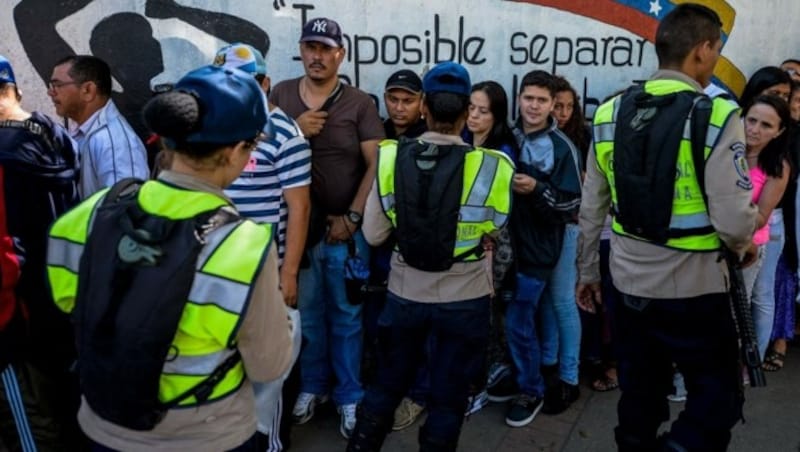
{"type": "Point", "coordinates": [774, 361]}
{"type": "Point", "coordinates": [605, 383]}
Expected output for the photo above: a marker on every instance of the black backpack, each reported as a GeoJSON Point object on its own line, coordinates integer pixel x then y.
{"type": "Point", "coordinates": [135, 276]}
{"type": "Point", "coordinates": [428, 181]}
{"type": "Point", "coordinates": [647, 140]}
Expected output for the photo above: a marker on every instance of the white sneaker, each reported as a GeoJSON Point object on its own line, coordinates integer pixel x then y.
{"type": "Point", "coordinates": [348, 422]}
{"type": "Point", "coordinates": [477, 402]}
{"type": "Point", "coordinates": [303, 409]}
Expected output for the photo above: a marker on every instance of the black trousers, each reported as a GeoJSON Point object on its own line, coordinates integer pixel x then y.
{"type": "Point", "coordinates": [699, 335]}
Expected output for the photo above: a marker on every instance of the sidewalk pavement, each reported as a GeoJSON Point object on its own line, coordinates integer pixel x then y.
{"type": "Point", "coordinates": [772, 415]}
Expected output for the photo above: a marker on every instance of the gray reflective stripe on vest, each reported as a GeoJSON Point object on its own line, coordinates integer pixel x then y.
{"type": "Point", "coordinates": [198, 365]}
{"type": "Point", "coordinates": [615, 110]}
{"type": "Point", "coordinates": [209, 289]}
{"type": "Point", "coordinates": [213, 241]}
{"type": "Point", "coordinates": [713, 135]}
{"type": "Point", "coordinates": [604, 132]}
{"type": "Point", "coordinates": [484, 179]}
{"type": "Point", "coordinates": [691, 221]}
{"type": "Point", "coordinates": [387, 202]}
{"type": "Point", "coordinates": [468, 244]}
{"type": "Point", "coordinates": [63, 253]}
{"type": "Point", "coordinates": [479, 214]}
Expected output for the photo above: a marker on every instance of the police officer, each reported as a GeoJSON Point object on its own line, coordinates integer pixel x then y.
{"type": "Point", "coordinates": [675, 202]}
{"type": "Point", "coordinates": [175, 298]}
{"type": "Point", "coordinates": [438, 283]}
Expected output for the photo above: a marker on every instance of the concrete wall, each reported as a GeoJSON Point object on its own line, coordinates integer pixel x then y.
{"type": "Point", "coordinates": [599, 45]}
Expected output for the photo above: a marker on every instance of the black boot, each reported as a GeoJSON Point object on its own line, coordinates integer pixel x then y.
{"type": "Point", "coordinates": [369, 433]}
{"type": "Point", "coordinates": [631, 443]}
{"type": "Point", "coordinates": [430, 444]}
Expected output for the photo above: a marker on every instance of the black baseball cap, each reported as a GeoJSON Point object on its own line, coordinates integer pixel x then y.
{"type": "Point", "coordinates": [406, 80]}
{"type": "Point", "coordinates": [322, 30]}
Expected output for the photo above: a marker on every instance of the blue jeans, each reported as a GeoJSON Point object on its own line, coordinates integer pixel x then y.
{"type": "Point", "coordinates": [458, 336]}
{"type": "Point", "coordinates": [331, 325]}
{"type": "Point", "coordinates": [560, 320]}
{"type": "Point", "coordinates": [523, 342]}
{"type": "Point", "coordinates": [763, 299]}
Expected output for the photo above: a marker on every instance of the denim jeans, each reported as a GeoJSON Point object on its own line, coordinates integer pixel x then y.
{"type": "Point", "coordinates": [560, 321]}
{"type": "Point", "coordinates": [523, 341]}
{"type": "Point", "coordinates": [331, 325]}
{"type": "Point", "coordinates": [458, 333]}
{"type": "Point", "coordinates": [763, 299]}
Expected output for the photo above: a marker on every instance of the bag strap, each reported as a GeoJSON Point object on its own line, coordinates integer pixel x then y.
{"type": "Point", "coordinates": [40, 130]}
{"type": "Point", "coordinates": [203, 390]}
{"type": "Point", "coordinates": [124, 188]}
{"type": "Point", "coordinates": [700, 119]}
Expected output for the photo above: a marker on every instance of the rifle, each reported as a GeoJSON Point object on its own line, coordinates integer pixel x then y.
{"type": "Point", "coordinates": [743, 319]}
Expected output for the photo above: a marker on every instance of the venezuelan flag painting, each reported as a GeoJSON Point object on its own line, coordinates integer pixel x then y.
{"type": "Point", "coordinates": [641, 17]}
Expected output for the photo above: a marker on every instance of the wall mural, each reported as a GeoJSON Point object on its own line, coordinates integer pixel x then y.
{"type": "Point", "coordinates": [599, 45]}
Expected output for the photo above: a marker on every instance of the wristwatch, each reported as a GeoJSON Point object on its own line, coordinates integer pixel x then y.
{"type": "Point", "coordinates": [354, 217]}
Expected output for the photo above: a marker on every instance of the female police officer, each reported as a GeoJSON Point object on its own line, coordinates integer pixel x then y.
{"type": "Point", "coordinates": [174, 297]}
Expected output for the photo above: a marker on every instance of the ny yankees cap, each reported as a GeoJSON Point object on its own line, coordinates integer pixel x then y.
{"type": "Point", "coordinates": [406, 80]}
{"type": "Point", "coordinates": [447, 77]}
{"type": "Point", "coordinates": [6, 73]}
{"type": "Point", "coordinates": [322, 30]}
{"type": "Point", "coordinates": [243, 57]}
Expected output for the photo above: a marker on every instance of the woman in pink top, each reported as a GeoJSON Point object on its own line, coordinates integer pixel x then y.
{"type": "Point", "coordinates": [765, 122]}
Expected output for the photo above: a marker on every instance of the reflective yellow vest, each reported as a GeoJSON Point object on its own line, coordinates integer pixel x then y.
{"type": "Point", "coordinates": [688, 207]}
{"type": "Point", "coordinates": [485, 197]}
{"type": "Point", "coordinates": [226, 268]}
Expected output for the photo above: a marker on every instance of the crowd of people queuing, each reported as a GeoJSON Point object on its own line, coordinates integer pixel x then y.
{"type": "Point", "coordinates": [294, 248]}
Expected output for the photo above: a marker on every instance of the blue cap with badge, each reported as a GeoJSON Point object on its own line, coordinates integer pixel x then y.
{"type": "Point", "coordinates": [232, 104]}
{"type": "Point", "coordinates": [447, 77]}
{"type": "Point", "coordinates": [6, 73]}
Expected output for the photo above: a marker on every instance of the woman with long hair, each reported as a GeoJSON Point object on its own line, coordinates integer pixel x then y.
{"type": "Point", "coordinates": [768, 80]}
{"type": "Point", "coordinates": [488, 127]}
{"type": "Point", "coordinates": [765, 121]}
{"type": "Point", "coordinates": [487, 123]}
{"type": "Point", "coordinates": [569, 114]}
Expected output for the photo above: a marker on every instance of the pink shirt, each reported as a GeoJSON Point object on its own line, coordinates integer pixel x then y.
{"type": "Point", "coordinates": [759, 179]}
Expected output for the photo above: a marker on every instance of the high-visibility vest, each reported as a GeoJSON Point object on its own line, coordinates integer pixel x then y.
{"type": "Point", "coordinates": [485, 198]}
{"type": "Point", "coordinates": [226, 268]}
{"type": "Point", "coordinates": [689, 211]}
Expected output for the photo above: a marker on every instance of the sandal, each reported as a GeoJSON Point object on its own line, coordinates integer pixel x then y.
{"type": "Point", "coordinates": [605, 383]}
{"type": "Point", "coordinates": [774, 361]}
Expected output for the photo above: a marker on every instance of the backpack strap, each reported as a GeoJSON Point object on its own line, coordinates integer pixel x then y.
{"type": "Point", "coordinates": [36, 128]}
{"type": "Point", "coordinates": [122, 189]}
{"type": "Point", "coordinates": [700, 119]}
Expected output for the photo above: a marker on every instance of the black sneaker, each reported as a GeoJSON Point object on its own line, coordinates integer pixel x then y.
{"type": "Point", "coordinates": [550, 375]}
{"type": "Point", "coordinates": [559, 397]}
{"type": "Point", "coordinates": [523, 409]}
{"type": "Point", "coordinates": [504, 389]}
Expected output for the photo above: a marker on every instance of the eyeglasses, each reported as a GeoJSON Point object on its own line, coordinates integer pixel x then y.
{"type": "Point", "coordinates": [54, 85]}
{"type": "Point", "coordinates": [791, 71]}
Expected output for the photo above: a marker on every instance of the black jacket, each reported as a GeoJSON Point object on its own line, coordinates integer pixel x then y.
{"type": "Point", "coordinates": [538, 219]}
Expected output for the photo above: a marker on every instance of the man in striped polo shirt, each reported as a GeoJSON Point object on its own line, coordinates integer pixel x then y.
{"type": "Point", "coordinates": [274, 188]}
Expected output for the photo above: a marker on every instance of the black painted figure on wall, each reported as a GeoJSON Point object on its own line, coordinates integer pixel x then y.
{"type": "Point", "coordinates": [125, 40]}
